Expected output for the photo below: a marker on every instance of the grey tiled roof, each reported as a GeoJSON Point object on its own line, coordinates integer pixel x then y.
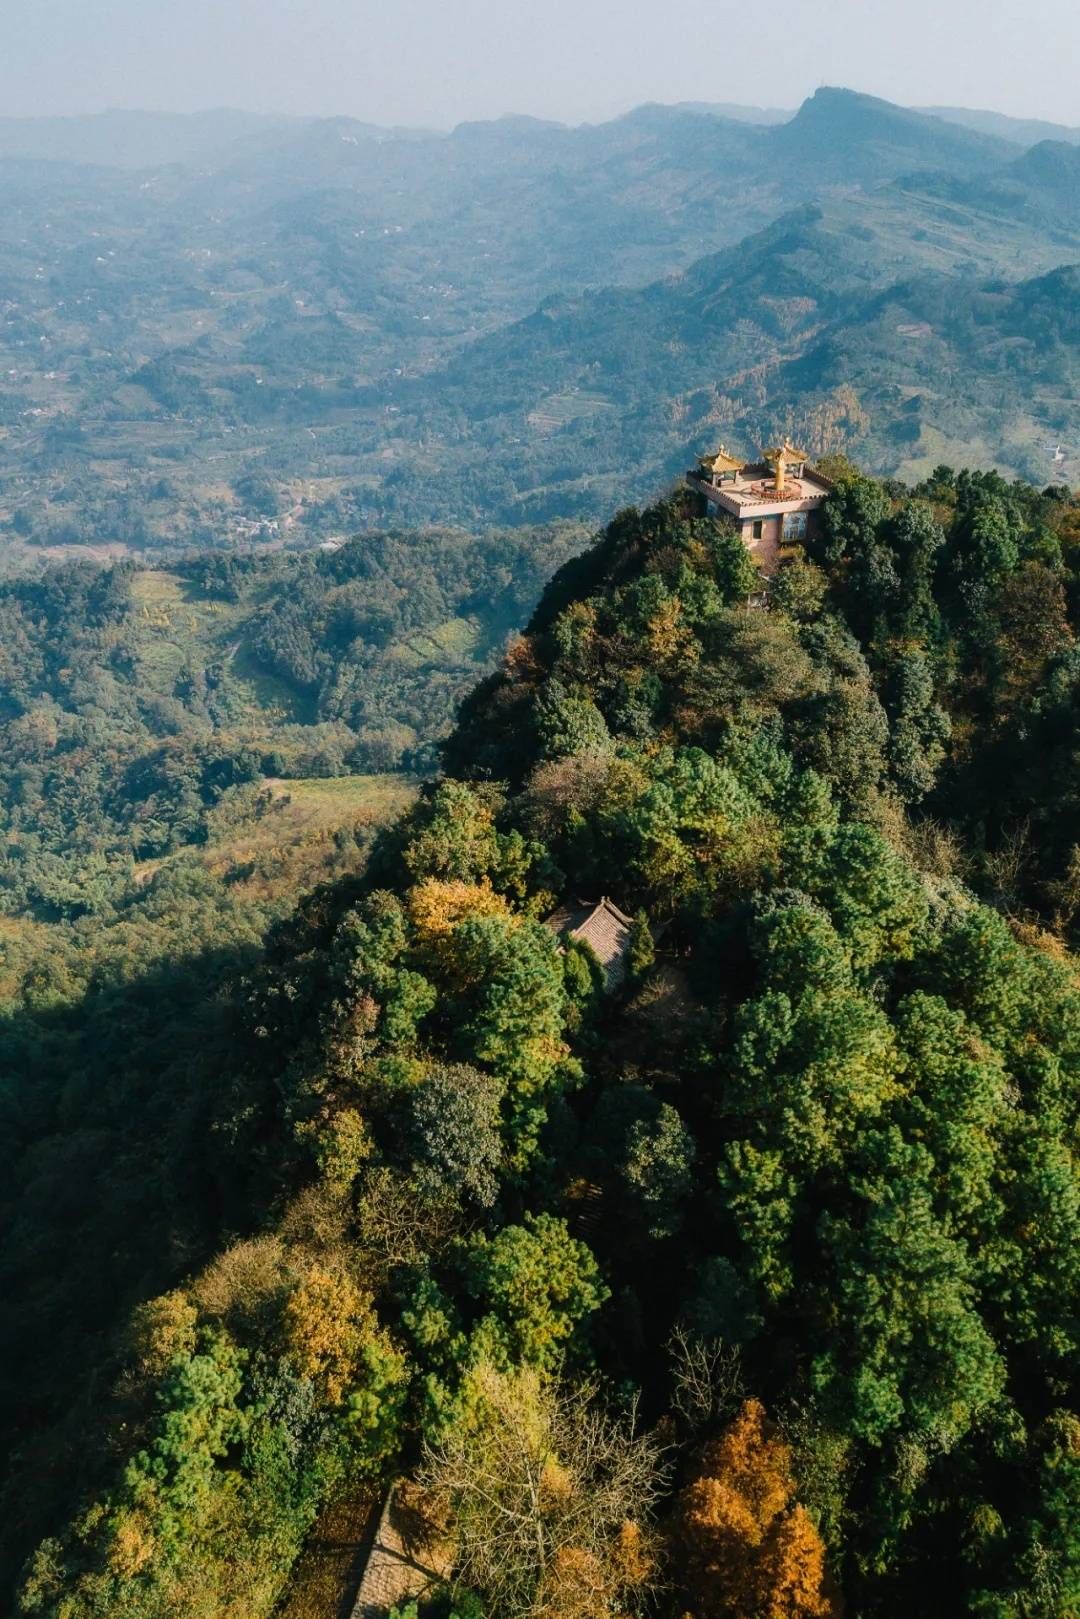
{"type": "Point", "coordinates": [604, 928]}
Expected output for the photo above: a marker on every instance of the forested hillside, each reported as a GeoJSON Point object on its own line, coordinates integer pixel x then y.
{"type": "Point", "coordinates": [749, 1288]}
{"type": "Point", "coordinates": [143, 711]}
{"type": "Point", "coordinates": [895, 326]}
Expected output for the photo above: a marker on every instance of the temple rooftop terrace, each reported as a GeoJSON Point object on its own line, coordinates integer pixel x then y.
{"type": "Point", "coordinates": [780, 482]}
{"type": "Point", "coordinates": [756, 486]}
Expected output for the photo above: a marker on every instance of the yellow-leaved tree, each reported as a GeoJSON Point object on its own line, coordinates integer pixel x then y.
{"type": "Point", "coordinates": [748, 1550]}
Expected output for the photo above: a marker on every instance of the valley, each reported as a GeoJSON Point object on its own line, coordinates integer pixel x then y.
{"type": "Point", "coordinates": [292, 335]}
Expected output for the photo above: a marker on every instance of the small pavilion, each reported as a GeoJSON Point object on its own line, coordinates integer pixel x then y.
{"type": "Point", "coordinates": [721, 467]}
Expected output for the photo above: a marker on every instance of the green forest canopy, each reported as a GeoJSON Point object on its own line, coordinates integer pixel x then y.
{"type": "Point", "coordinates": [412, 1185]}
{"type": "Point", "coordinates": [149, 712]}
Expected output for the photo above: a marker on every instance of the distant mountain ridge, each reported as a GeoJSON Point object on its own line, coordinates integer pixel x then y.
{"type": "Point", "coordinates": [140, 139]}
{"type": "Point", "coordinates": [540, 315]}
{"type": "Point", "coordinates": [133, 139]}
{"type": "Point", "coordinates": [1040, 186]}
{"type": "Point", "coordinates": [1052, 168]}
{"type": "Point", "coordinates": [850, 325]}
{"type": "Point", "coordinates": [1022, 131]}
{"type": "Point", "coordinates": [739, 113]}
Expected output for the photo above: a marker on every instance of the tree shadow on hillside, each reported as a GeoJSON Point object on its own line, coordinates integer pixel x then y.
{"type": "Point", "coordinates": [133, 1145]}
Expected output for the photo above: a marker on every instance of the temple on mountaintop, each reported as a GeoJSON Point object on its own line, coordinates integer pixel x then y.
{"type": "Point", "coordinates": [773, 501]}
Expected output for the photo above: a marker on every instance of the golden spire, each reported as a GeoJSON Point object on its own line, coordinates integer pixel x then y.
{"type": "Point", "coordinates": [779, 457]}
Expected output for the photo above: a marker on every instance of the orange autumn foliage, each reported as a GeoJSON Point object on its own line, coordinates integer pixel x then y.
{"type": "Point", "coordinates": [632, 1556]}
{"type": "Point", "coordinates": [582, 1583]}
{"type": "Point", "coordinates": [750, 1551]}
{"type": "Point", "coordinates": [576, 1586]}
{"type": "Point", "coordinates": [794, 1569]}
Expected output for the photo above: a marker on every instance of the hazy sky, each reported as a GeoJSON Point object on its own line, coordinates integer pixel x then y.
{"type": "Point", "coordinates": [439, 61]}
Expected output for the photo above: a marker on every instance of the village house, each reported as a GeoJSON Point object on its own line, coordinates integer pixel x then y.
{"type": "Point", "coordinates": [604, 928]}
{"type": "Point", "coordinates": [773, 501]}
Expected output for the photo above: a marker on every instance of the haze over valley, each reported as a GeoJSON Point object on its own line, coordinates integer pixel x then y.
{"type": "Point", "coordinates": [225, 327]}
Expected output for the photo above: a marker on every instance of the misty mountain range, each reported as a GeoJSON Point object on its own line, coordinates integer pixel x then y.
{"type": "Point", "coordinates": [134, 139]}
{"type": "Point", "coordinates": [517, 320]}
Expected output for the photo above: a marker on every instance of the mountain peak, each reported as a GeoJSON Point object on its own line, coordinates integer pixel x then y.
{"type": "Point", "coordinates": [869, 139]}
{"type": "Point", "coordinates": [1051, 166]}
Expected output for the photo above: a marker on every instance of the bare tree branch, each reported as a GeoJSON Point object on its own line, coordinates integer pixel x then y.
{"type": "Point", "coordinates": [550, 1500]}
{"type": "Point", "coordinates": [706, 1378]}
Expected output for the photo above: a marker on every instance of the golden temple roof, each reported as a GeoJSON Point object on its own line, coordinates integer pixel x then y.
{"type": "Point", "coordinates": [721, 462]}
